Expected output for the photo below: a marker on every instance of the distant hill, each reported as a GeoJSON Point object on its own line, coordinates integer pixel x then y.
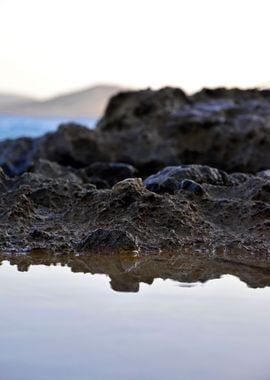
{"type": "Point", "coordinates": [89, 103]}
{"type": "Point", "coordinates": [13, 100]}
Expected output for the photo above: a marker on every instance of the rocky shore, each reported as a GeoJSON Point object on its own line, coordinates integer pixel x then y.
{"type": "Point", "coordinates": [162, 172]}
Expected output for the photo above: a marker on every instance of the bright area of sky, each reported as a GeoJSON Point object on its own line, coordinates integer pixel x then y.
{"type": "Point", "coordinates": [54, 46]}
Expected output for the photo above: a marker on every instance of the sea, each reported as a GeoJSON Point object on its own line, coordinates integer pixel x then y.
{"type": "Point", "coordinates": [59, 323]}
{"type": "Point", "coordinates": [18, 126]}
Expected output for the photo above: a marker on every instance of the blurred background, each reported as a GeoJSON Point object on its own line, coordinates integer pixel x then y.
{"type": "Point", "coordinates": [63, 59]}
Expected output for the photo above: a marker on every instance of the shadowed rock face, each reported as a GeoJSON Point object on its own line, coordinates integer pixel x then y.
{"type": "Point", "coordinates": [71, 145]}
{"type": "Point", "coordinates": [105, 175]}
{"type": "Point", "coordinates": [127, 272]}
{"type": "Point", "coordinates": [102, 239]}
{"type": "Point", "coordinates": [226, 129]}
{"type": "Point", "coordinates": [187, 177]}
{"type": "Point", "coordinates": [75, 190]}
{"type": "Point", "coordinates": [16, 155]}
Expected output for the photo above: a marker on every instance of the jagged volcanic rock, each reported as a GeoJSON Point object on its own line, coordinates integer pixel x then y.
{"type": "Point", "coordinates": [64, 215]}
{"type": "Point", "coordinates": [226, 129]}
{"type": "Point", "coordinates": [174, 178]}
{"type": "Point", "coordinates": [197, 155]}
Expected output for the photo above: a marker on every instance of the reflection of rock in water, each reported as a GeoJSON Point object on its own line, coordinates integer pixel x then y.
{"type": "Point", "coordinates": [127, 272]}
{"type": "Point", "coordinates": [124, 284]}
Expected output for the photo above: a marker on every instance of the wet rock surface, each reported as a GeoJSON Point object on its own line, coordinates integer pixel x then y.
{"type": "Point", "coordinates": [64, 214]}
{"type": "Point", "coordinates": [162, 172]}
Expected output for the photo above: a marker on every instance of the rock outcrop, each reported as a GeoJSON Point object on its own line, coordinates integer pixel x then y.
{"type": "Point", "coordinates": [64, 214]}
{"type": "Point", "coordinates": [187, 177]}
{"type": "Point", "coordinates": [226, 129]}
{"type": "Point", "coordinates": [163, 172]}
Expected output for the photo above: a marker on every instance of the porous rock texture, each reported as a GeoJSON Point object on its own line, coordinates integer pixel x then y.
{"type": "Point", "coordinates": [226, 129]}
{"type": "Point", "coordinates": [65, 215]}
{"type": "Point", "coordinates": [162, 172]}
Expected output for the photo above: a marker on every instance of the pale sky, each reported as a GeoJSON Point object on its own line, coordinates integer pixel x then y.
{"type": "Point", "coordinates": [53, 46]}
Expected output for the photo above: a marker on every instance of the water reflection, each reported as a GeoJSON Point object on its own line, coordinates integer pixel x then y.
{"type": "Point", "coordinates": [56, 324]}
{"type": "Point", "coordinates": [127, 272]}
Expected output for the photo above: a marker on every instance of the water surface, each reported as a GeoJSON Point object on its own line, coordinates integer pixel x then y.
{"type": "Point", "coordinates": [21, 126]}
{"type": "Point", "coordinates": [58, 324]}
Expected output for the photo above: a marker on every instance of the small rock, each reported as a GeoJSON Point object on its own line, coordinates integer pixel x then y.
{"type": "Point", "coordinates": [129, 184]}
{"type": "Point", "coordinates": [169, 179]}
{"type": "Point", "coordinates": [108, 240]}
{"type": "Point", "coordinates": [109, 173]}
{"type": "Point", "coordinates": [53, 170]}
{"type": "Point", "coordinates": [71, 145]}
{"type": "Point", "coordinates": [192, 186]}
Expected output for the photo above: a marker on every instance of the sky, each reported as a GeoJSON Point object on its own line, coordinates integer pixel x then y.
{"type": "Point", "coordinates": [49, 47]}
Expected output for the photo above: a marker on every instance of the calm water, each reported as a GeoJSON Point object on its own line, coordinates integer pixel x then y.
{"type": "Point", "coordinates": [15, 126]}
{"type": "Point", "coordinates": [106, 318]}
{"type": "Point", "coordinates": [57, 324]}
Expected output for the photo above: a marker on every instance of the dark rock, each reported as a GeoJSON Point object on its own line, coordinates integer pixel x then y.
{"type": "Point", "coordinates": [3, 181]}
{"type": "Point", "coordinates": [40, 235]}
{"type": "Point", "coordinates": [56, 213]}
{"type": "Point", "coordinates": [125, 132]}
{"type": "Point", "coordinates": [226, 129]}
{"type": "Point", "coordinates": [171, 178]}
{"type": "Point", "coordinates": [192, 186]}
{"type": "Point", "coordinates": [105, 175]}
{"type": "Point", "coordinates": [147, 102]}
{"type": "Point", "coordinates": [235, 94]}
{"type": "Point", "coordinates": [108, 240]}
{"type": "Point", "coordinates": [16, 155]}
{"type": "Point", "coordinates": [51, 202]}
{"type": "Point", "coordinates": [51, 169]}
{"type": "Point", "coordinates": [71, 145]}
